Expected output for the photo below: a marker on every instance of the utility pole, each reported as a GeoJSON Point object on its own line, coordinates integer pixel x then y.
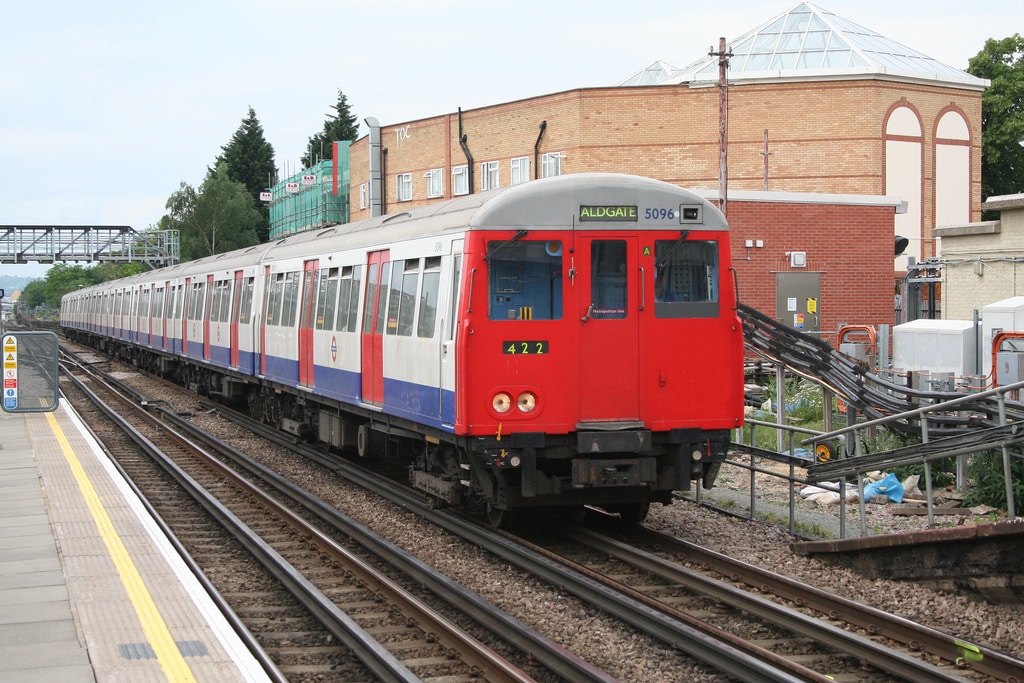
{"type": "Point", "coordinates": [723, 121]}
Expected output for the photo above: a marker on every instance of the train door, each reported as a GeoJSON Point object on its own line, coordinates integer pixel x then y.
{"type": "Point", "coordinates": [186, 296]}
{"type": "Point", "coordinates": [307, 320]}
{"type": "Point", "coordinates": [372, 338]}
{"type": "Point", "coordinates": [165, 312]}
{"type": "Point", "coordinates": [236, 299]}
{"type": "Point", "coordinates": [206, 311]}
{"type": "Point", "coordinates": [610, 329]}
{"type": "Point", "coordinates": [449, 325]}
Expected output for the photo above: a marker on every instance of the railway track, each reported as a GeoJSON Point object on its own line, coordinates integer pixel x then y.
{"type": "Point", "coordinates": [810, 627]}
{"type": "Point", "coordinates": [784, 647]}
{"type": "Point", "coordinates": [308, 606]}
{"type": "Point", "coordinates": [802, 646]}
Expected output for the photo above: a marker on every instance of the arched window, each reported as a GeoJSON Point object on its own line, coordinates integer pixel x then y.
{"type": "Point", "coordinates": [903, 140]}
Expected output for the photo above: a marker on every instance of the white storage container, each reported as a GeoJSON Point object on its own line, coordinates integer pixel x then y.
{"type": "Point", "coordinates": [935, 346]}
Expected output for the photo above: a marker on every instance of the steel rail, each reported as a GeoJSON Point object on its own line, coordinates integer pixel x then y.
{"type": "Point", "coordinates": [722, 656]}
{"type": "Point", "coordinates": [915, 636]}
{"type": "Point", "coordinates": [370, 652]}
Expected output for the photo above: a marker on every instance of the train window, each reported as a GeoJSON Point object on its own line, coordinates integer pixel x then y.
{"type": "Point", "coordinates": [290, 299]}
{"type": "Point", "coordinates": [274, 299]}
{"type": "Point", "coordinates": [144, 305]}
{"type": "Point", "coordinates": [158, 303]}
{"type": "Point", "coordinates": [407, 306]}
{"type": "Point", "coordinates": [608, 279]}
{"type": "Point", "coordinates": [685, 278]}
{"type": "Point", "coordinates": [245, 308]}
{"type": "Point", "coordinates": [179, 304]}
{"type": "Point", "coordinates": [371, 285]}
{"type": "Point", "coordinates": [382, 297]}
{"type": "Point", "coordinates": [454, 298]}
{"type": "Point", "coordinates": [221, 301]}
{"type": "Point", "coordinates": [198, 298]}
{"type": "Point", "coordinates": [353, 298]}
{"type": "Point", "coordinates": [327, 298]}
{"type": "Point", "coordinates": [428, 304]}
{"type": "Point", "coordinates": [396, 298]}
{"type": "Point", "coordinates": [524, 280]}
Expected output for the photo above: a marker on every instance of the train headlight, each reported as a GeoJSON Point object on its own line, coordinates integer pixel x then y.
{"type": "Point", "coordinates": [501, 402]}
{"type": "Point", "coordinates": [526, 402]}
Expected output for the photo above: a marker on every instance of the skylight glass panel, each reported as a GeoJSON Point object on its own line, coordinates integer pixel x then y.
{"type": "Point", "coordinates": [817, 24]}
{"type": "Point", "coordinates": [797, 22]}
{"type": "Point", "coordinates": [775, 26]}
{"type": "Point", "coordinates": [816, 40]}
{"type": "Point", "coordinates": [757, 63]}
{"type": "Point", "coordinates": [837, 59]}
{"type": "Point", "coordinates": [784, 60]}
{"type": "Point", "coordinates": [743, 47]}
{"type": "Point", "coordinates": [765, 43]}
{"type": "Point", "coordinates": [790, 42]}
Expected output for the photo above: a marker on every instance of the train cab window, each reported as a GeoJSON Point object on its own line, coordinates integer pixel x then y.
{"type": "Point", "coordinates": [685, 278]}
{"type": "Point", "coordinates": [524, 280]}
{"type": "Point", "coordinates": [327, 298]}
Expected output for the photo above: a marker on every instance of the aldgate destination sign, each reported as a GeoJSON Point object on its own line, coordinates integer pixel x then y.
{"type": "Point", "coordinates": [621, 214]}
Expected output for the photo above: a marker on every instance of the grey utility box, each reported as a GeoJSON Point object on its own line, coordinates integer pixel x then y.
{"type": "Point", "coordinates": [1009, 367]}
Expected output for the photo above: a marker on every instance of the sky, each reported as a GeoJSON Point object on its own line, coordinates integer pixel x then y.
{"type": "Point", "coordinates": [106, 107]}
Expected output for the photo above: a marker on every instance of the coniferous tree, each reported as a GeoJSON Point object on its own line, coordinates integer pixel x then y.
{"type": "Point", "coordinates": [249, 160]}
{"type": "Point", "coordinates": [342, 125]}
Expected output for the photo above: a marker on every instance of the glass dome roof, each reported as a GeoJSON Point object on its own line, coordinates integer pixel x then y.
{"type": "Point", "coordinates": [808, 41]}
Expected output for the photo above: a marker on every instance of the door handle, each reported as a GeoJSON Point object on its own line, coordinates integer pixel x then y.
{"type": "Point", "coordinates": [586, 316]}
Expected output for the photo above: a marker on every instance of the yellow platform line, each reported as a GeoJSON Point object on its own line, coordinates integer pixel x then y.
{"type": "Point", "coordinates": [153, 625]}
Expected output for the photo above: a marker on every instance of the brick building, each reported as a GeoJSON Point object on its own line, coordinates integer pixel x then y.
{"type": "Point", "coordinates": [838, 140]}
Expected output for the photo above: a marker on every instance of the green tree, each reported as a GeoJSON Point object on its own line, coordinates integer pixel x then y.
{"type": "Point", "coordinates": [249, 160]}
{"type": "Point", "coordinates": [342, 125]}
{"type": "Point", "coordinates": [1002, 115]}
{"type": "Point", "coordinates": [220, 217]}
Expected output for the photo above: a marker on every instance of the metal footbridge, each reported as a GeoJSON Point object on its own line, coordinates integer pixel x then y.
{"type": "Point", "coordinates": [87, 243]}
{"type": "Point", "coordinates": [948, 423]}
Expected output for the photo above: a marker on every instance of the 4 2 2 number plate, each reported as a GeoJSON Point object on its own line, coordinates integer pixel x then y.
{"type": "Point", "coordinates": [524, 348]}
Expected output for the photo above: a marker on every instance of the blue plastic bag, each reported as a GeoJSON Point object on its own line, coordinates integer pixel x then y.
{"type": "Point", "coordinates": [889, 486]}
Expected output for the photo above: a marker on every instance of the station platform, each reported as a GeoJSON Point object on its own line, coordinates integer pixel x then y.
{"type": "Point", "coordinates": [90, 588]}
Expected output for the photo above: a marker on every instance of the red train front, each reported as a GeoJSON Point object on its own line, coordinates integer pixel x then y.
{"type": "Point", "coordinates": [599, 353]}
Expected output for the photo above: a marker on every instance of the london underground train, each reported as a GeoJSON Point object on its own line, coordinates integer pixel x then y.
{"type": "Point", "coordinates": [564, 342]}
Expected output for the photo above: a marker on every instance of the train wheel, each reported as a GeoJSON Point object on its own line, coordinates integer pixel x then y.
{"type": "Point", "coordinates": [824, 452]}
{"type": "Point", "coordinates": [499, 519]}
{"type": "Point", "coordinates": [369, 442]}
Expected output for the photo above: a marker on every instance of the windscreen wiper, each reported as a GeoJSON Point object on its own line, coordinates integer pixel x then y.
{"type": "Point", "coordinates": [518, 236]}
{"type": "Point", "coordinates": [668, 252]}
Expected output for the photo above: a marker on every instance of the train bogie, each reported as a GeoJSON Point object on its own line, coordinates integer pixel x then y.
{"type": "Point", "coordinates": [565, 342]}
